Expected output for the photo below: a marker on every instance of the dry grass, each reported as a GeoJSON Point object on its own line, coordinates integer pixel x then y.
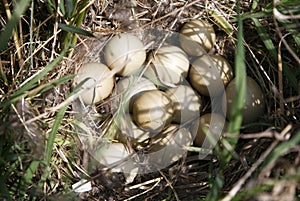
{"type": "Point", "coordinates": [256, 171]}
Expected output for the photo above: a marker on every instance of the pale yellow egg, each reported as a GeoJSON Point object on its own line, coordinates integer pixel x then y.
{"type": "Point", "coordinates": [210, 128]}
{"type": "Point", "coordinates": [254, 100]}
{"type": "Point", "coordinates": [129, 87]}
{"type": "Point", "coordinates": [129, 130]}
{"type": "Point", "coordinates": [209, 75]}
{"type": "Point", "coordinates": [125, 53]}
{"type": "Point", "coordinates": [197, 37]}
{"type": "Point", "coordinates": [169, 65]}
{"type": "Point", "coordinates": [169, 146]}
{"type": "Point", "coordinates": [117, 158]}
{"type": "Point", "coordinates": [152, 110]}
{"type": "Point", "coordinates": [97, 82]}
{"type": "Point", "coordinates": [186, 103]}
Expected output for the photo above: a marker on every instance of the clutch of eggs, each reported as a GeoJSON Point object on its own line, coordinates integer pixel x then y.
{"type": "Point", "coordinates": [156, 114]}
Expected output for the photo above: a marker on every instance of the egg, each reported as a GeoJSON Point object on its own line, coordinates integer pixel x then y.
{"type": "Point", "coordinates": [152, 110]}
{"type": "Point", "coordinates": [197, 37]}
{"type": "Point", "coordinates": [186, 103]}
{"type": "Point", "coordinates": [254, 100]}
{"type": "Point", "coordinates": [169, 65]}
{"type": "Point", "coordinates": [129, 130]}
{"type": "Point", "coordinates": [98, 82]}
{"type": "Point", "coordinates": [209, 74]}
{"type": "Point", "coordinates": [112, 153]}
{"type": "Point", "coordinates": [126, 53]}
{"type": "Point", "coordinates": [117, 158]}
{"type": "Point", "coordinates": [129, 87]}
{"type": "Point", "coordinates": [214, 125]}
{"type": "Point", "coordinates": [168, 146]}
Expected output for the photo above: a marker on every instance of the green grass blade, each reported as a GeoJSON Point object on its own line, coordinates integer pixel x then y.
{"type": "Point", "coordinates": [55, 127]}
{"type": "Point", "coordinates": [281, 149]}
{"type": "Point", "coordinates": [273, 52]}
{"type": "Point", "coordinates": [254, 5]}
{"type": "Point", "coordinates": [266, 39]}
{"type": "Point", "coordinates": [76, 23]}
{"type": "Point", "coordinates": [70, 7]}
{"type": "Point", "coordinates": [33, 82]}
{"type": "Point", "coordinates": [54, 83]}
{"type": "Point", "coordinates": [261, 14]}
{"type": "Point", "coordinates": [50, 142]}
{"type": "Point", "coordinates": [221, 22]}
{"type": "Point", "coordinates": [52, 135]}
{"type": "Point", "coordinates": [296, 36]}
{"type": "Point", "coordinates": [62, 7]}
{"type": "Point", "coordinates": [51, 6]}
{"type": "Point", "coordinates": [240, 76]}
{"type": "Point", "coordinates": [76, 30]}
{"type": "Point", "coordinates": [12, 23]}
{"type": "Point", "coordinates": [236, 118]}
{"type": "Point", "coordinates": [30, 172]}
{"type": "Point", "coordinates": [4, 192]}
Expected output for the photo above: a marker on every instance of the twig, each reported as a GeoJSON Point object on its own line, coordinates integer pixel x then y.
{"type": "Point", "coordinates": [269, 133]}
{"type": "Point", "coordinates": [169, 183]}
{"type": "Point", "coordinates": [171, 13]}
{"type": "Point", "coordinates": [150, 189]}
{"type": "Point", "coordinates": [280, 85]}
{"type": "Point", "coordinates": [240, 183]}
{"type": "Point", "coordinates": [144, 183]}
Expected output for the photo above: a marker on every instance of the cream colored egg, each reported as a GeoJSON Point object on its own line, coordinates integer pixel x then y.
{"type": "Point", "coordinates": [169, 146]}
{"type": "Point", "coordinates": [186, 103]}
{"type": "Point", "coordinates": [212, 124]}
{"type": "Point", "coordinates": [117, 158]}
{"type": "Point", "coordinates": [129, 87]}
{"type": "Point", "coordinates": [210, 74]}
{"type": "Point", "coordinates": [126, 53]}
{"type": "Point", "coordinates": [197, 37]}
{"type": "Point", "coordinates": [254, 100]}
{"type": "Point", "coordinates": [169, 65]}
{"type": "Point", "coordinates": [111, 155]}
{"type": "Point", "coordinates": [152, 110]}
{"type": "Point", "coordinates": [129, 130]}
{"type": "Point", "coordinates": [98, 82]}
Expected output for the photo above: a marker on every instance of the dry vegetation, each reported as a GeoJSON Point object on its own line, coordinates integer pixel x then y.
{"type": "Point", "coordinates": [40, 153]}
